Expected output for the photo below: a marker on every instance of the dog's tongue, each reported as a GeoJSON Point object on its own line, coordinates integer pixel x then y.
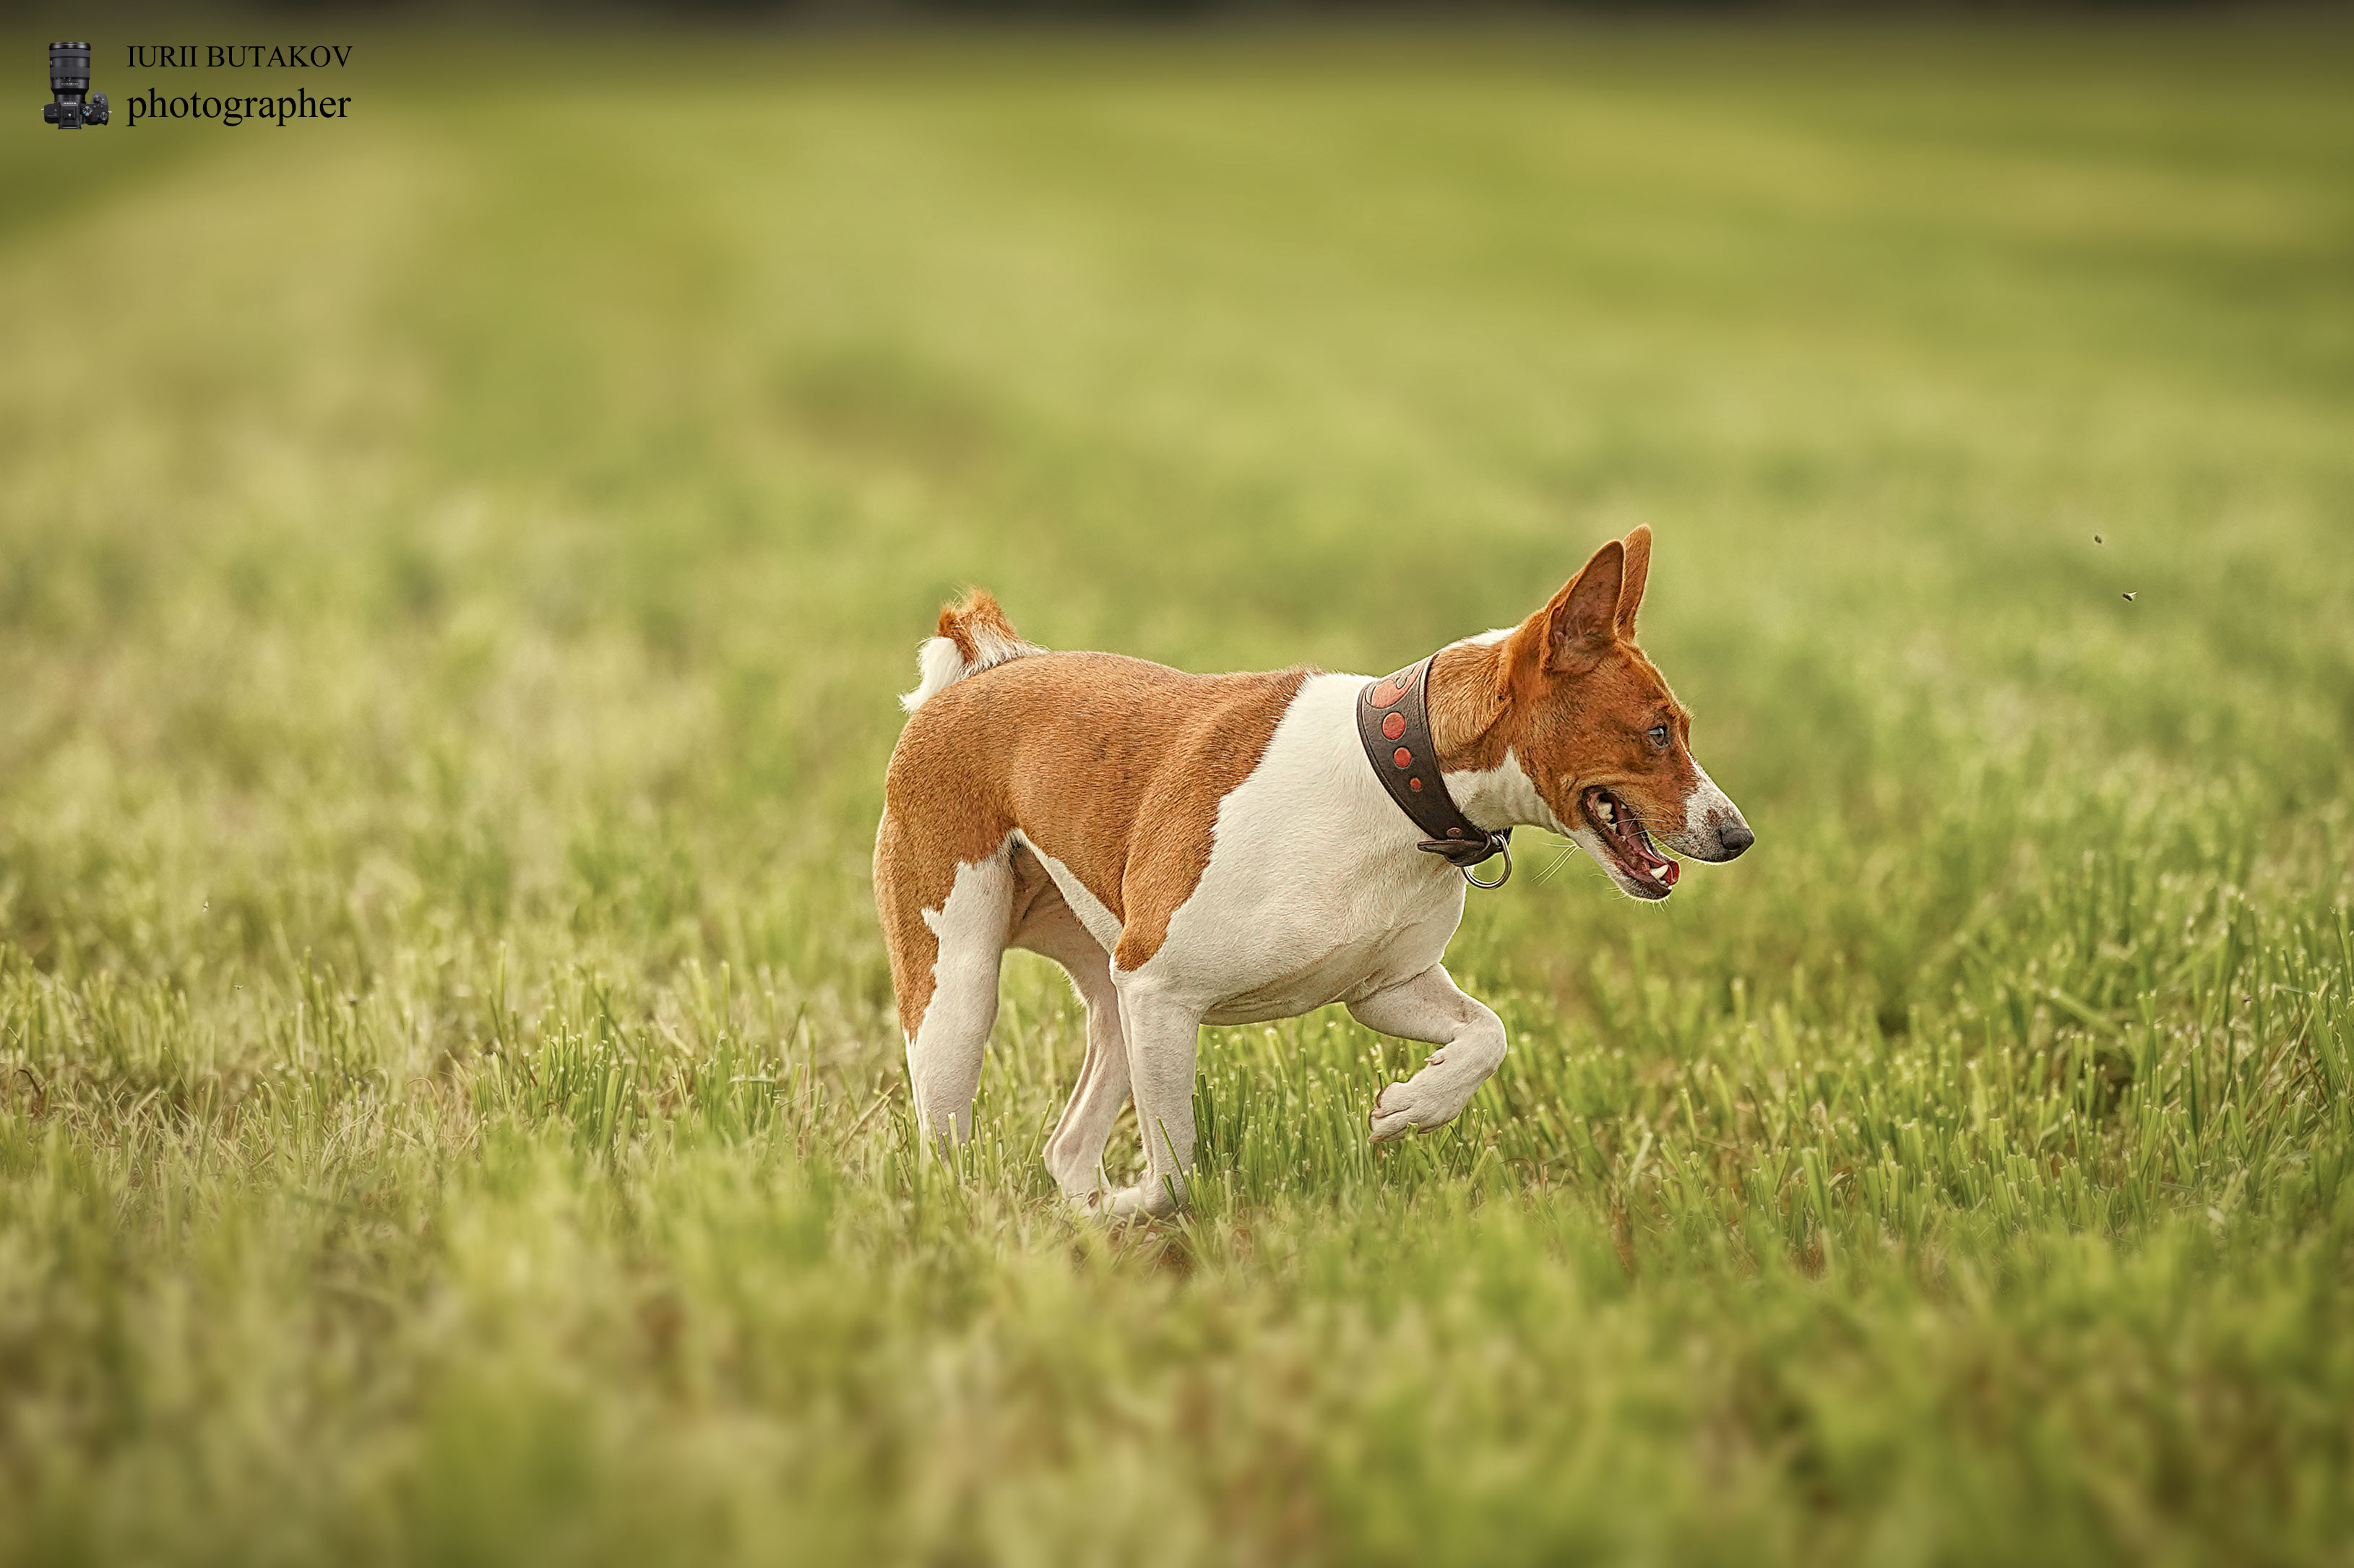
{"type": "Point", "coordinates": [1634, 844]}
{"type": "Point", "coordinates": [1661, 869]}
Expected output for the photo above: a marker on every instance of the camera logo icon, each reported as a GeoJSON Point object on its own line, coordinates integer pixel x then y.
{"type": "Point", "coordinates": [75, 106]}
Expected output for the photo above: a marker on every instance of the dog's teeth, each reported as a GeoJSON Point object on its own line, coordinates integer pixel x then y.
{"type": "Point", "coordinates": [1608, 815]}
{"type": "Point", "coordinates": [1660, 873]}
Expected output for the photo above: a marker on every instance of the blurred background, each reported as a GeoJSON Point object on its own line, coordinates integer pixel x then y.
{"type": "Point", "coordinates": [456, 567]}
{"type": "Point", "coordinates": [539, 478]}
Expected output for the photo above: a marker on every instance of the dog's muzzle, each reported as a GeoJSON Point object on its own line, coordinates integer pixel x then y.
{"type": "Point", "coordinates": [1713, 829]}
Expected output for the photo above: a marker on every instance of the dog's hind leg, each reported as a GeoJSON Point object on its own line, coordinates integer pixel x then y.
{"type": "Point", "coordinates": [944, 967]}
{"type": "Point", "coordinates": [1043, 923]}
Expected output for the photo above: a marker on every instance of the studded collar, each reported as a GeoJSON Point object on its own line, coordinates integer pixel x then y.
{"type": "Point", "coordinates": [1394, 723]}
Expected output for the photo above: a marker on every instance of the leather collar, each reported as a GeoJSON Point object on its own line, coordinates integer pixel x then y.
{"type": "Point", "coordinates": [1394, 723]}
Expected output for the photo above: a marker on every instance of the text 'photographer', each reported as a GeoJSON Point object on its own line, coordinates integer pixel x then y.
{"type": "Point", "coordinates": [284, 108]}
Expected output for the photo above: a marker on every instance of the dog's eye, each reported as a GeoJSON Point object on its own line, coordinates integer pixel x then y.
{"type": "Point", "coordinates": [1657, 734]}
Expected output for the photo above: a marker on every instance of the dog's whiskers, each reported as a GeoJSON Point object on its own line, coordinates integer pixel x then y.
{"type": "Point", "coordinates": [1566, 849]}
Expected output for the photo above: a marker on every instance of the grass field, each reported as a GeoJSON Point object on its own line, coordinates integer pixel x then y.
{"type": "Point", "coordinates": [456, 567]}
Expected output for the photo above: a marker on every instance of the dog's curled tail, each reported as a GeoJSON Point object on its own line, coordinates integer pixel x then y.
{"type": "Point", "coordinates": [974, 636]}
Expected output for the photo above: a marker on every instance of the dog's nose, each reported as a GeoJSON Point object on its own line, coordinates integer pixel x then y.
{"type": "Point", "coordinates": [1734, 837]}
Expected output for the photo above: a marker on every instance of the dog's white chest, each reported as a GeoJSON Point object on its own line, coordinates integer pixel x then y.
{"type": "Point", "coordinates": [1313, 893]}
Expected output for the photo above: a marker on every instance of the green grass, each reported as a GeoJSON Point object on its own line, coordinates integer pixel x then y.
{"type": "Point", "coordinates": [456, 565]}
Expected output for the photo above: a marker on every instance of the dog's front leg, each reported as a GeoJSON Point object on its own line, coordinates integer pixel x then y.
{"type": "Point", "coordinates": [1470, 1042]}
{"type": "Point", "coordinates": [1162, 1032]}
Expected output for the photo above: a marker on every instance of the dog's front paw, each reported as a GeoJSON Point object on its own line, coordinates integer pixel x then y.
{"type": "Point", "coordinates": [1410, 1107]}
{"type": "Point", "coordinates": [1147, 1201]}
{"type": "Point", "coordinates": [1394, 1113]}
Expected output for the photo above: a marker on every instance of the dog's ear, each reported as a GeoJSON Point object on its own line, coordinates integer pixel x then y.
{"type": "Point", "coordinates": [1582, 621]}
{"type": "Point", "coordinates": [1638, 568]}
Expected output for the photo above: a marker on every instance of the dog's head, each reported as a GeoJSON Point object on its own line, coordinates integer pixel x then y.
{"type": "Point", "coordinates": [1600, 736]}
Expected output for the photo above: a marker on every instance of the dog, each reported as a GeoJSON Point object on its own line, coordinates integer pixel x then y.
{"type": "Point", "coordinates": [1232, 849]}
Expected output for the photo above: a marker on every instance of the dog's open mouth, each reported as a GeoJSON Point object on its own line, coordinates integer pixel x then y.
{"type": "Point", "coordinates": [1649, 873]}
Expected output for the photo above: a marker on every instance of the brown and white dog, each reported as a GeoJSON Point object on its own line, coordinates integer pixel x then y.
{"type": "Point", "coordinates": [1219, 848]}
